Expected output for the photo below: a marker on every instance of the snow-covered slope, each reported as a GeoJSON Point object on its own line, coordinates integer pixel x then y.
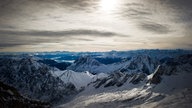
{"type": "Point", "coordinates": [79, 79]}
{"type": "Point", "coordinates": [172, 89]}
{"type": "Point", "coordinates": [139, 95]}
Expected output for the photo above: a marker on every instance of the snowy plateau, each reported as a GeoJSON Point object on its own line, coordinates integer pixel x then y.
{"type": "Point", "coordinates": [115, 79]}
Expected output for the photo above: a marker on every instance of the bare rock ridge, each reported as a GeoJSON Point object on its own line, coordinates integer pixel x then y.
{"type": "Point", "coordinates": [34, 79]}
{"type": "Point", "coordinates": [11, 98]}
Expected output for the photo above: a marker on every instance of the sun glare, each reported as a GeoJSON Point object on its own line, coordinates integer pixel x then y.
{"type": "Point", "coordinates": [107, 5]}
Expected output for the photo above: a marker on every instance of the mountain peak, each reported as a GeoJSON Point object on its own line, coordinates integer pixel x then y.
{"type": "Point", "coordinates": [87, 60]}
{"type": "Point", "coordinates": [85, 63]}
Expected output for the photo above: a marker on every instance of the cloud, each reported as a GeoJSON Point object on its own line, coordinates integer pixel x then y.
{"type": "Point", "coordinates": [78, 4]}
{"type": "Point", "coordinates": [61, 33]}
{"type": "Point", "coordinates": [179, 4]}
{"type": "Point", "coordinates": [19, 41]}
{"type": "Point", "coordinates": [3, 45]}
{"type": "Point", "coordinates": [35, 23]}
{"type": "Point", "coordinates": [154, 27]}
{"type": "Point", "coordinates": [135, 10]}
{"type": "Point", "coordinates": [11, 38]}
{"type": "Point", "coordinates": [181, 8]}
{"type": "Point", "coordinates": [83, 39]}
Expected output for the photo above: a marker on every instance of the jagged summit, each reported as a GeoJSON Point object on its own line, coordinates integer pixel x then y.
{"type": "Point", "coordinates": [87, 60]}
{"type": "Point", "coordinates": [141, 63]}
{"type": "Point", "coordinates": [33, 79]}
{"type": "Point", "coordinates": [86, 63]}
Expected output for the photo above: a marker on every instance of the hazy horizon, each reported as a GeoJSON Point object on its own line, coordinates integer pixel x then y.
{"type": "Point", "coordinates": [54, 51]}
{"type": "Point", "coordinates": [94, 26]}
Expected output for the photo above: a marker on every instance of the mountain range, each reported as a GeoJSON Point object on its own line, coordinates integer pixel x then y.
{"type": "Point", "coordinates": [100, 79]}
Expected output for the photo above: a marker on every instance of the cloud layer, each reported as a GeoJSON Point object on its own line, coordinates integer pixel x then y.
{"type": "Point", "coordinates": [88, 25]}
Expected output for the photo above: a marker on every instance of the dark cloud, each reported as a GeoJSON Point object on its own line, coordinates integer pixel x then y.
{"type": "Point", "coordinates": [17, 38]}
{"type": "Point", "coordinates": [61, 33]}
{"type": "Point", "coordinates": [178, 4]}
{"type": "Point", "coordinates": [134, 4]}
{"type": "Point", "coordinates": [155, 27]}
{"type": "Point", "coordinates": [7, 27]}
{"type": "Point", "coordinates": [137, 14]}
{"type": "Point", "coordinates": [15, 44]}
{"type": "Point", "coordinates": [83, 39]}
{"type": "Point", "coordinates": [135, 10]}
{"type": "Point", "coordinates": [19, 41]}
{"type": "Point", "coordinates": [4, 45]}
{"type": "Point", "coordinates": [183, 9]}
{"type": "Point", "coordinates": [86, 5]}
{"type": "Point", "coordinates": [80, 44]}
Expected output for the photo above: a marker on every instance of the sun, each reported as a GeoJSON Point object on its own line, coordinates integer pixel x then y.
{"type": "Point", "coordinates": [107, 5]}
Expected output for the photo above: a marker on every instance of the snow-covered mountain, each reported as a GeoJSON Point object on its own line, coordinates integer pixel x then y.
{"type": "Point", "coordinates": [139, 63]}
{"type": "Point", "coordinates": [138, 81]}
{"type": "Point", "coordinates": [34, 79]}
{"type": "Point", "coordinates": [87, 63]}
{"type": "Point", "coordinates": [169, 86]}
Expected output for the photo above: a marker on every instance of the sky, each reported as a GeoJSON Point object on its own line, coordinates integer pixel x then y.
{"type": "Point", "coordinates": [94, 25]}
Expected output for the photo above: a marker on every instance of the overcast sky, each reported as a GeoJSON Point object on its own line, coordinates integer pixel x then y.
{"type": "Point", "coordinates": [94, 25]}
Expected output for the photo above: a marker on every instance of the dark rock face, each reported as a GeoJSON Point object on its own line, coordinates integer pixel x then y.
{"type": "Point", "coordinates": [33, 79]}
{"type": "Point", "coordinates": [156, 78]}
{"type": "Point", "coordinates": [136, 78]}
{"type": "Point", "coordinates": [100, 82]}
{"type": "Point", "coordinates": [119, 78]}
{"type": "Point", "coordinates": [187, 58]}
{"type": "Point", "coordinates": [173, 66]}
{"type": "Point", "coordinates": [11, 98]}
{"type": "Point", "coordinates": [141, 63]}
{"type": "Point", "coordinates": [110, 82]}
{"type": "Point", "coordinates": [122, 80]}
{"type": "Point", "coordinates": [70, 86]}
